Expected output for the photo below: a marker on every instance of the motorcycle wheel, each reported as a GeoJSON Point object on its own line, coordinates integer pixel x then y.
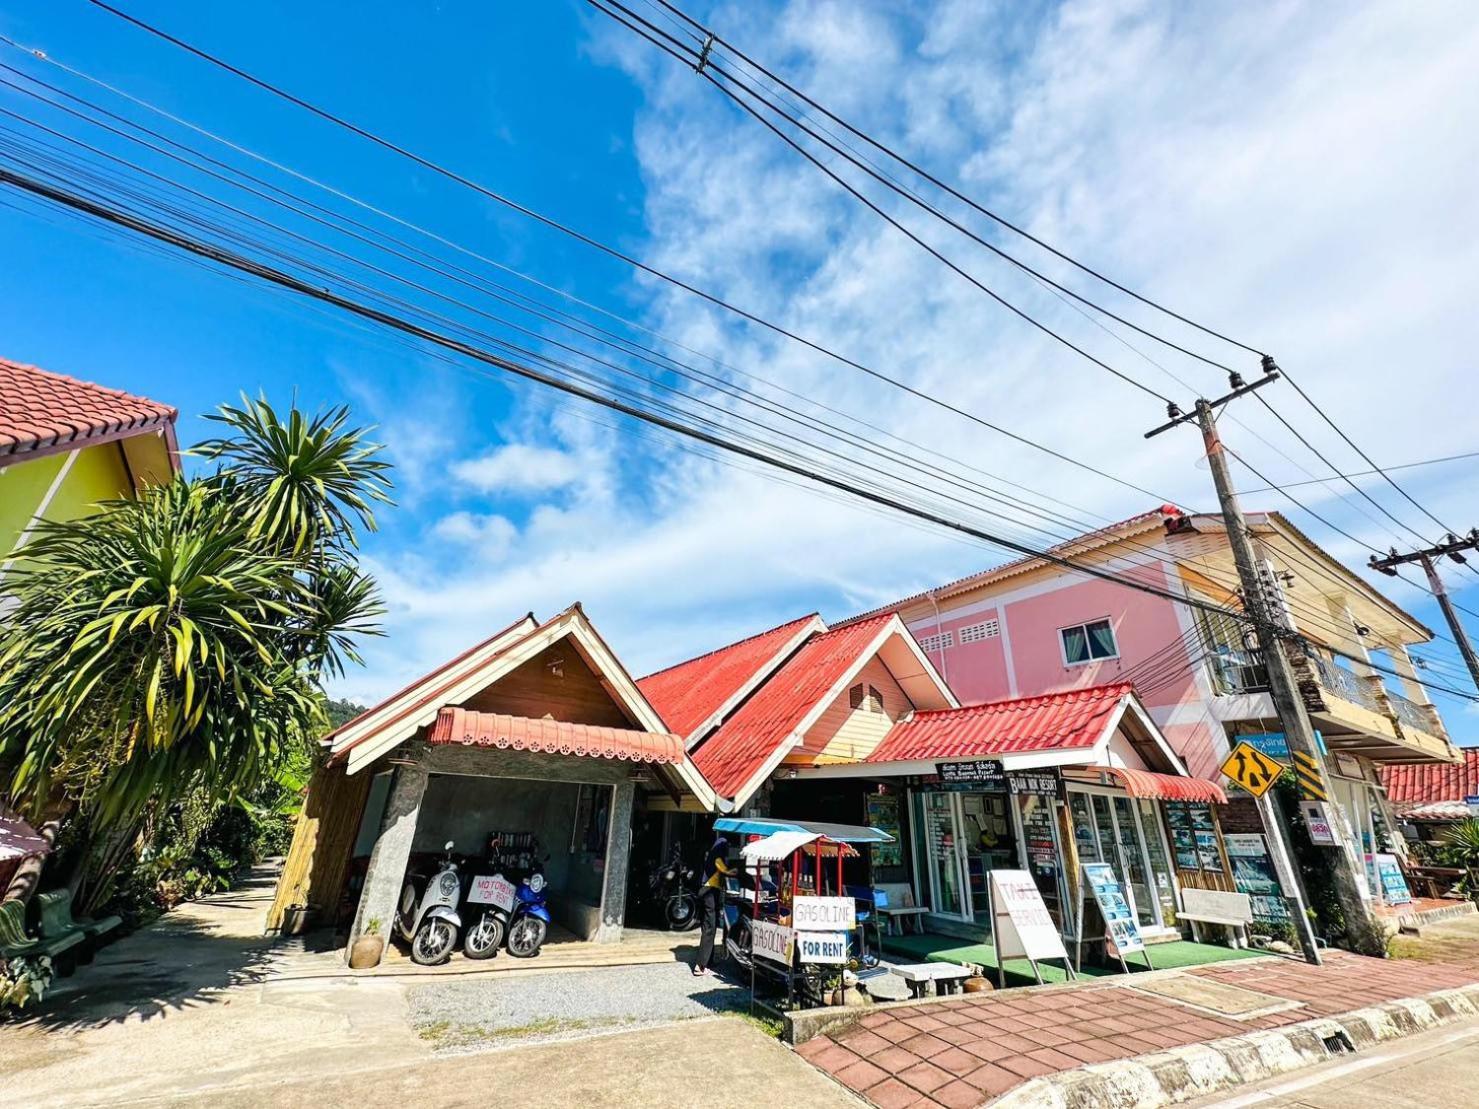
{"type": "Point", "coordinates": [682, 911]}
{"type": "Point", "coordinates": [526, 937]}
{"type": "Point", "coordinates": [484, 938]}
{"type": "Point", "coordinates": [433, 943]}
{"type": "Point", "coordinates": [743, 943]}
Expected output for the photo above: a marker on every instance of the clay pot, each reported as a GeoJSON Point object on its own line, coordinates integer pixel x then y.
{"type": "Point", "coordinates": [976, 985]}
{"type": "Point", "coordinates": [366, 952]}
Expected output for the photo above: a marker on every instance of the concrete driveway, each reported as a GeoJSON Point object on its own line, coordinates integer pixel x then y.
{"type": "Point", "coordinates": [201, 1007]}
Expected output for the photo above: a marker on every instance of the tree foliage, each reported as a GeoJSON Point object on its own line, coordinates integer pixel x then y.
{"type": "Point", "coordinates": [175, 642]}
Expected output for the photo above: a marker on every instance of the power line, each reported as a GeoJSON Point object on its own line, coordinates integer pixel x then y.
{"type": "Point", "coordinates": [1368, 473]}
{"type": "Point", "coordinates": [552, 223]}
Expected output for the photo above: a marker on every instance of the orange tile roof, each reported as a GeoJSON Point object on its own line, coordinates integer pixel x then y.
{"type": "Point", "coordinates": [1069, 720]}
{"type": "Point", "coordinates": [733, 754]}
{"type": "Point", "coordinates": [691, 692]}
{"type": "Point", "coordinates": [42, 412]}
{"type": "Point", "coordinates": [1426, 782]}
{"type": "Point", "coordinates": [554, 737]}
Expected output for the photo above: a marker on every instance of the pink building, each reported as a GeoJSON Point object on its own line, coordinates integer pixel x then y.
{"type": "Point", "coordinates": [1032, 627]}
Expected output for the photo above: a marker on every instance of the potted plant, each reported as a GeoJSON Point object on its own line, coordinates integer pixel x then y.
{"type": "Point", "coordinates": [296, 919]}
{"type": "Point", "coordinates": [366, 951]}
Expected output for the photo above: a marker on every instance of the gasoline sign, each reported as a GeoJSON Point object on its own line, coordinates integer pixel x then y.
{"type": "Point", "coordinates": [1252, 769]}
{"type": "Point", "coordinates": [823, 914]}
{"type": "Point", "coordinates": [772, 941]}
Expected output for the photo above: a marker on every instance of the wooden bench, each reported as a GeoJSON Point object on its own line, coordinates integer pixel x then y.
{"type": "Point", "coordinates": [1230, 910]}
{"type": "Point", "coordinates": [56, 920]}
{"type": "Point", "coordinates": [895, 904]}
{"type": "Point", "coordinates": [14, 942]}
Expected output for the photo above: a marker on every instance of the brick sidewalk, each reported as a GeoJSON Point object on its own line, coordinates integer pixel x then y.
{"type": "Point", "coordinates": [962, 1053]}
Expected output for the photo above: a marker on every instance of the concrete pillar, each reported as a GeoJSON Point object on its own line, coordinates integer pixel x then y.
{"type": "Point", "coordinates": [618, 859]}
{"type": "Point", "coordinates": [392, 851]}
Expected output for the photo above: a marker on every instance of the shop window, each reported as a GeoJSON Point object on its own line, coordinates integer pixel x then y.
{"type": "Point", "coordinates": [1088, 642]}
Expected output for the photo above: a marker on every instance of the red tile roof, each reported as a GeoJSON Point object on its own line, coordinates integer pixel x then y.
{"type": "Point", "coordinates": [42, 412]}
{"type": "Point", "coordinates": [688, 694]}
{"type": "Point", "coordinates": [733, 754]}
{"type": "Point", "coordinates": [1424, 782]}
{"type": "Point", "coordinates": [1053, 722]}
{"type": "Point", "coordinates": [554, 737]}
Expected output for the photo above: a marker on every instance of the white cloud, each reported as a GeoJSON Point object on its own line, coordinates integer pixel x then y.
{"type": "Point", "coordinates": [490, 533]}
{"type": "Point", "coordinates": [1299, 174]}
{"type": "Point", "coordinates": [519, 468]}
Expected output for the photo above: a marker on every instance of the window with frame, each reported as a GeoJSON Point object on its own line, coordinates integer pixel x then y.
{"type": "Point", "coordinates": [1088, 642]}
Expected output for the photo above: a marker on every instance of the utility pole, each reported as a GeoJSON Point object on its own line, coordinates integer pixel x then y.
{"type": "Point", "coordinates": [1299, 734]}
{"type": "Point", "coordinates": [1451, 547]}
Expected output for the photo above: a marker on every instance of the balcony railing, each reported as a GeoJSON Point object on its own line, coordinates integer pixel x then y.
{"type": "Point", "coordinates": [1346, 685]}
{"type": "Point", "coordinates": [1411, 713]}
{"type": "Point", "coordinates": [1237, 672]}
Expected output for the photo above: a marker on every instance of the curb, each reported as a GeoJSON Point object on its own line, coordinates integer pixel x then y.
{"type": "Point", "coordinates": [1182, 1073]}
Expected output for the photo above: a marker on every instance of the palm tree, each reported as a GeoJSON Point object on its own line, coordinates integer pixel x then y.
{"type": "Point", "coordinates": [175, 643]}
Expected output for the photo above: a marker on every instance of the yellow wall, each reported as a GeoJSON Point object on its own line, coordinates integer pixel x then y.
{"type": "Point", "coordinates": [845, 734]}
{"type": "Point", "coordinates": [95, 474]}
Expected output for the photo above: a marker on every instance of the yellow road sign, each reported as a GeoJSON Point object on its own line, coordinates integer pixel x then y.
{"type": "Point", "coordinates": [1252, 769]}
{"type": "Point", "coordinates": [1311, 781]}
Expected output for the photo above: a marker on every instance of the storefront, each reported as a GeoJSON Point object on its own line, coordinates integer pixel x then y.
{"type": "Point", "coordinates": [534, 748]}
{"type": "Point", "coordinates": [1043, 785]}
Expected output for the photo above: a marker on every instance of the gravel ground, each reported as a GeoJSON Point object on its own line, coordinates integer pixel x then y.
{"type": "Point", "coordinates": [518, 1009]}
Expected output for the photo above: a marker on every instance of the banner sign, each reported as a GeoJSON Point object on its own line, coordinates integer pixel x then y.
{"type": "Point", "coordinates": [824, 914]}
{"type": "Point", "coordinates": [772, 941]}
{"type": "Point", "coordinates": [1022, 926]}
{"type": "Point", "coordinates": [1119, 919]}
{"type": "Point", "coordinates": [1270, 743]}
{"type": "Point", "coordinates": [984, 772]}
{"type": "Point", "coordinates": [1254, 873]}
{"type": "Point", "coordinates": [1047, 781]}
{"type": "Point", "coordinates": [492, 889]}
{"type": "Point", "coordinates": [822, 947]}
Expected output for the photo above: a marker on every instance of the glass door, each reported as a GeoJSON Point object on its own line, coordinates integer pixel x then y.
{"type": "Point", "coordinates": [1106, 829]}
{"type": "Point", "coordinates": [942, 850]}
{"type": "Point", "coordinates": [987, 844]}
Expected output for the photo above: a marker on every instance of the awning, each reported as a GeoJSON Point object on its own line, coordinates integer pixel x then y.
{"type": "Point", "coordinates": [782, 845]}
{"type": "Point", "coordinates": [1165, 787]}
{"type": "Point", "coordinates": [765, 826]}
{"type": "Point", "coordinates": [553, 737]}
{"type": "Point", "coordinates": [18, 839]}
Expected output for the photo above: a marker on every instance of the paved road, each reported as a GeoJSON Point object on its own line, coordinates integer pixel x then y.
{"type": "Point", "coordinates": [201, 1009]}
{"type": "Point", "coordinates": [1433, 1069]}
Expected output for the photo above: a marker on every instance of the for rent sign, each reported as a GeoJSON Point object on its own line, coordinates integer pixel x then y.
{"type": "Point", "coordinates": [822, 947]}
{"type": "Point", "coordinates": [823, 914]}
{"type": "Point", "coordinates": [492, 889]}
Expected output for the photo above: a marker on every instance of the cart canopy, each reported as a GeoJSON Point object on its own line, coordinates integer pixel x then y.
{"type": "Point", "coordinates": [781, 845]}
{"type": "Point", "coordinates": [837, 833]}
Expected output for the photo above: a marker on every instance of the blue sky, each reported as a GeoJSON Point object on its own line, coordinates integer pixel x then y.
{"type": "Point", "coordinates": [1295, 175]}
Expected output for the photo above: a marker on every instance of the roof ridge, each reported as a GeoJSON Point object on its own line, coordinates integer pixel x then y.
{"type": "Point", "coordinates": [735, 643]}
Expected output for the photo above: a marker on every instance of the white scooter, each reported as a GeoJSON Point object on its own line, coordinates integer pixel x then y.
{"type": "Point", "coordinates": [427, 918]}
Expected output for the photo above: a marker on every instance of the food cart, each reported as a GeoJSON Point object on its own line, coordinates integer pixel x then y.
{"type": "Point", "coordinates": [791, 919]}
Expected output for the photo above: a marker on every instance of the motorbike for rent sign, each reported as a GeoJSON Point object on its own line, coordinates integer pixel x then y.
{"type": "Point", "coordinates": [822, 947]}
{"type": "Point", "coordinates": [774, 942]}
{"type": "Point", "coordinates": [492, 889]}
{"type": "Point", "coordinates": [824, 914]}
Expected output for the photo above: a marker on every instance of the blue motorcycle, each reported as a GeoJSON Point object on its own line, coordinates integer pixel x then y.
{"type": "Point", "coordinates": [529, 923]}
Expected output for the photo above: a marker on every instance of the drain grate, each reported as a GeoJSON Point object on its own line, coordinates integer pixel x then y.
{"type": "Point", "coordinates": [1339, 1044]}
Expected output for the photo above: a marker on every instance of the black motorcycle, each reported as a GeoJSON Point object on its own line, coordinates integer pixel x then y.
{"type": "Point", "coordinates": [672, 889]}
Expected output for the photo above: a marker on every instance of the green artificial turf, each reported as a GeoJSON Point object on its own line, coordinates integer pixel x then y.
{"type": "Point", "coordinates": [951, 949]}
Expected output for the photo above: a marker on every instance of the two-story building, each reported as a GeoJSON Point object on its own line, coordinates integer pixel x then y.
{"type": "Point", "coordinates": [1033, 627]}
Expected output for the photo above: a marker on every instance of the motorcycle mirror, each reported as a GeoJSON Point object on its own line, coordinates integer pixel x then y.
{"type": "Point", "coordinates": [448, 845]}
